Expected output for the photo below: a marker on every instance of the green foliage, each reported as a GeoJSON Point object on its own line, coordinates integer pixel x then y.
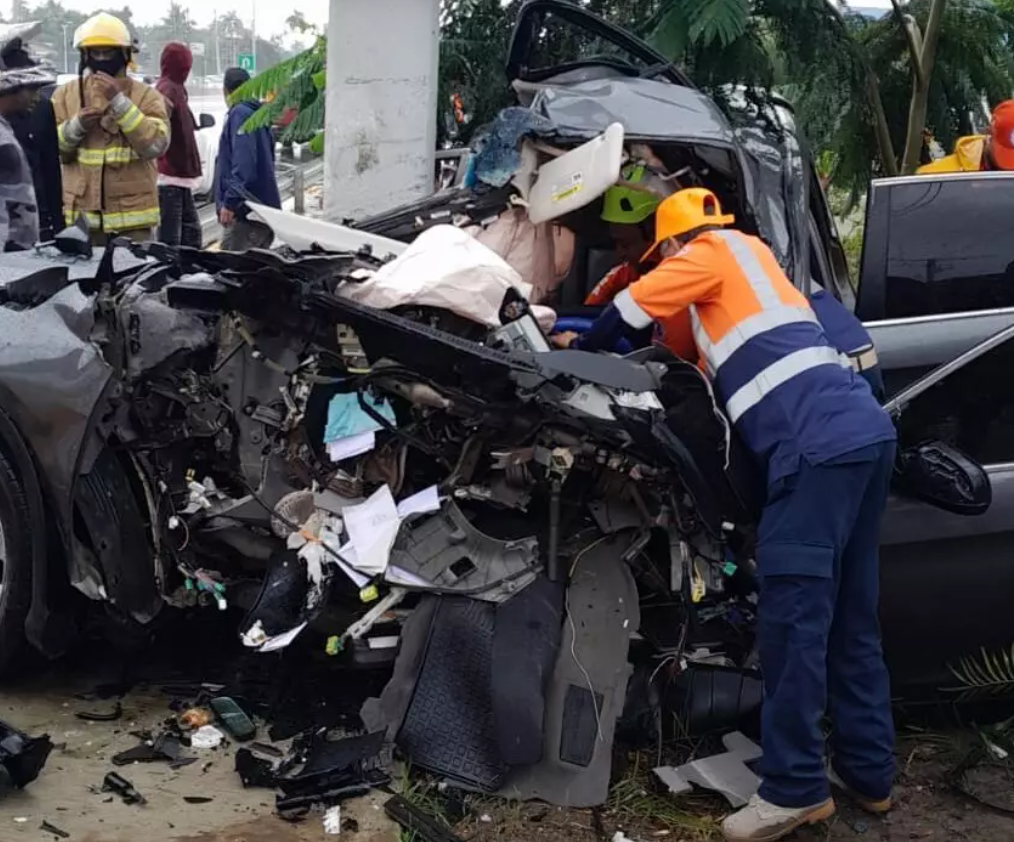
{"type": "Point", "coordinates": [296, 83]}
{"type": "Point", "coordinates": [718, 21]}
{"type": "Point", "coordinates": [986, 675]}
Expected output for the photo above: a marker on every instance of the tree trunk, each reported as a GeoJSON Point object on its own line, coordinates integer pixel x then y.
{"type": "Point", "coordinates": [880, 127]}
{"type": "Point", "coordinates": [921, 85]}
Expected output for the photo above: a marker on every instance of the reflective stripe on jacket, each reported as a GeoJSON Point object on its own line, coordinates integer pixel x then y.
{"type": "Point", "coordinates": [110, 173]}
{"type": "Point", "coordinates": [789, 392]}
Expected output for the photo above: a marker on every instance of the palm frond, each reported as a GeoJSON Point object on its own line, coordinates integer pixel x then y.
{"type": "Point", "coordinates": [717, 21]}
{"type": "Point", "coordinates": [986, 675]}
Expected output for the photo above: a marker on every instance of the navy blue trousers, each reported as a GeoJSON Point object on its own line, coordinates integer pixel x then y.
{"type": "Point", "coordinates": [818, 631]}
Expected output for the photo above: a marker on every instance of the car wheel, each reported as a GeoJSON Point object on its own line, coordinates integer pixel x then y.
{"type": "Point", "coordinates": [15, 565]}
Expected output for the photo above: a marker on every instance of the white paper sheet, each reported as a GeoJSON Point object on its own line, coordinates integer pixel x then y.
{"type": "Point", "coordinates": [427, 500]}
{"type": "Point", "coordinates": [273, 644]}
{"type": "Point", "coordinates": [372, 528]}
{"type": "Point", "coordinates": [397, 576]}
{"type": "Point", "coordinates": [351, 446]}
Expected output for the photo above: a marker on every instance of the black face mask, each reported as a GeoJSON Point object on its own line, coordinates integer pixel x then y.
{"type": "Point", "coordinates": [110, 66]}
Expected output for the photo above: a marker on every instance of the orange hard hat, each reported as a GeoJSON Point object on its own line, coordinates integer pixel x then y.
{"type": "Point", "coordinates": [685, 211]}
{"type": "Point", "coordinates": [1001, 134]}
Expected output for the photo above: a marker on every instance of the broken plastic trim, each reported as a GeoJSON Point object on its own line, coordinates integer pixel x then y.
{"type": "Point", "coordinates": [445, 553]}
{"type": "Point", "coordinates": [21, 757]}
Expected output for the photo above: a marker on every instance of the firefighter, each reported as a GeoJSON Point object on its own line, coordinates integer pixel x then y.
{"type": "Point", "coordinates": [827, 450]}
{"type": "Point", "coordinates": [112, 130]}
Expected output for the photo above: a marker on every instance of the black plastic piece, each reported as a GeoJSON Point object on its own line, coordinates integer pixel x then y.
{"type": "Point", "coordinates": [708, 699]}
{"type": "Point", "coordinates": [36, 288]}
{"type": "Point", "coordinates": [280, 604]}
{"type": "Point", "coordinates": [114, 782]}
{"type": "Point", "coordinates": [234, 719]}
{"type": "Point", "coordinates": [418, 824]}
{"type": "Point", "coordinates": [253, 770]}
{"type": "Point", "coordinates": [21, 757]}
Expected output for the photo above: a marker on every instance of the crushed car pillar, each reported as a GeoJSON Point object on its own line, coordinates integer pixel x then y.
{"type": "Point", "coordinates": [381, 104]}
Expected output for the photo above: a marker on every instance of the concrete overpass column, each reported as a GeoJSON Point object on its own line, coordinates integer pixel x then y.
{"type": "Point", "coordinates": [382, 58]}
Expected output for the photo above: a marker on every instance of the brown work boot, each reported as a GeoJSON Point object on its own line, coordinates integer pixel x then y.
{"type": "Point", "coordinates": [760, 821]}
{"type": "Point", "coordinates": [870, 805]}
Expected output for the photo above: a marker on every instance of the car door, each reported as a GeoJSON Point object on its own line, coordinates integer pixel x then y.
{"type": "Point", "coordinates": [937, 269]}
{"type": "Point", "coordinates": [947, 580]}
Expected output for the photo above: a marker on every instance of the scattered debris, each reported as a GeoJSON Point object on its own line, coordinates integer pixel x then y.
{"type": "Point", "coordinates": [164, 747]}
{"type": "Point", "coordinates": [114, 782]}
{"type": "Point", "coordinates": [253, 770]}
{"type": "Point", "coordinates": [206, 737]}
{"type": "Point", "coordinates": [264, 748]}
{"type": "Point", "coordinates": [195, 718]}
{"type": "Point", "coordinates": [725, 773]}
{"type": "Point", "coordinates": [416, 823]}
{"type": "Point", "coordinates": [234, 719]}
{"type": "Point", "coordinates": [333, 820]}
{"type": "Point", "coordinates": [197, 799]}
{"type": "Point", "coordinates": [104, 716]}
{"type": "Point", "coordinates": [22, 757]}
{"type": "Point", "coordinates": [46, 827]}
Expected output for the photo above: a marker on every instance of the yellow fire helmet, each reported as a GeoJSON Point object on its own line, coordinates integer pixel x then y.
{"type": "Point", "coordinates": [103, 30]}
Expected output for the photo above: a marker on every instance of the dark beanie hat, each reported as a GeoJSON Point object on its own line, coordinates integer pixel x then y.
{"type": "Point", "coordinates": [234, 77]}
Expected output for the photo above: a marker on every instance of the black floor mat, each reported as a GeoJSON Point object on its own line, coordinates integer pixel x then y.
{"type": "Point", "coordinates": [525, 646]}
{"type": "Point", "coordinates": [449, 727]}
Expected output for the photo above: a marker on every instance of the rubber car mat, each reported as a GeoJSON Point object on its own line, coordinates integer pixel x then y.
{"type": "Point", "coordinates": [448, 728]}
{"type": "Point", "coordinates": [603, 611]}
{"type": "Point", "coordinates": [388, 711]}
{"type": "Point", "coordinates": [525, 647]}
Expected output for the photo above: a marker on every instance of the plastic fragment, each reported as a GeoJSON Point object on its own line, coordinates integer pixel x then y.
{"type": "Point", "coordinates": [333, 821]}
{"type": "Point", "coordinates": [207, 737]}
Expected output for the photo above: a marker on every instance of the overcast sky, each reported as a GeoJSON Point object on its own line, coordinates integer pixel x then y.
{"type": "Point", "coordinates": [271, 14]}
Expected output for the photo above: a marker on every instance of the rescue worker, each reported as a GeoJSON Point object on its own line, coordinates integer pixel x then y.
{"type": "Point", "coordinates": [849, 336]}
{"type": "Point", "coordinates": [630, 214]}
{"type": "Point", "coordinates": [978, 153]}
{"type": "Point", "coordinates": [21, 79]}
{"type": "Point", "coordinates": [112, 130]}
{"type": "Point", "coordinates": [827, 449]}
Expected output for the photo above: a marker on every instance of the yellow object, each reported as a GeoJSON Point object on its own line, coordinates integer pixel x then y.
{"type": "Point", "coordinates": [109, 172]}
{"type": "Point", "coordinates": [334, 645]}
{"type": "Point", "coordinates": [687, 210]}
{"type": "Point", "coordinates": [102, 30]}
{"type": "Point", "coordinates": [369, 594]}
{"type": "Point", "coordinates": [967, 157]}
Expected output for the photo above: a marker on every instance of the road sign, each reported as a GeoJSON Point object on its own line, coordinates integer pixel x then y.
{"type": "Point", "coordinates": [197, 48]}
{"type": "Point", "coordinates": [246, 61]}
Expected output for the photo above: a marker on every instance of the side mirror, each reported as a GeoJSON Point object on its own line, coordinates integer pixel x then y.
{"type": "Point", "coordinates": [205, 121]}
{"type": "Point", "coordinates": [943, 476]}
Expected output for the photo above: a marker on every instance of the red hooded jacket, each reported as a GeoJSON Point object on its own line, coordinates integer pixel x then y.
{"type": "Point", "coordinates": [181, 159]}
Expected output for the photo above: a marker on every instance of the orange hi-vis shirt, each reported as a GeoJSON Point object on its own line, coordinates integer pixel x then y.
{"type": "Point", "coordinates": [677, 334]}
{"type": "Point", "coordinates": [789, 392]}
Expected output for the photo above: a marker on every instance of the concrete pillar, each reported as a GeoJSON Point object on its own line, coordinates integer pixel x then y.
{"type": "Point", "coordinates": [382, 58]}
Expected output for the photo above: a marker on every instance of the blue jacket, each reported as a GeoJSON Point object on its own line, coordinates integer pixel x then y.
{"type": "Point", "coordinates": [245, 169]}
{"type": "Point", "coordinates": [848, 335]}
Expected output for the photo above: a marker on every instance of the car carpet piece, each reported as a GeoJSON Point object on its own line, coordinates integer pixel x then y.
{"type": "Point", "coordinates": [525, 647]}
{"type": "Point", "coordinates": [603, 606]}
{"type": "Point", "coordinates": [448, 727]}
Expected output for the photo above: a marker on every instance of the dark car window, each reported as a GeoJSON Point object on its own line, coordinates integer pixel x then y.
{"type": "Point", "coordinates": [950, 247]}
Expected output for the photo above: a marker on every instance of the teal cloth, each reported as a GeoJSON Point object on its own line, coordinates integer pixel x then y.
{"type": "Point", "coordinates": [345, 417]}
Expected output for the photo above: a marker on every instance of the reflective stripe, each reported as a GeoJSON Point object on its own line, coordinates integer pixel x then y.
{"type": "Point", "coordinates": [130, 119]}
{"type": "Point", "coordinates": [751, 268]}
{"type": "Point", "coordinates": [630, 311]}
{"type": "Point", "coordinates": [718, 353]}
{"type": "Point", "coordinates": [753, 392]}
{"type": "Point", "coordinates": [863, 360]}
{"type": "Point", "coordinates": [106, 155]}
{"type": "Point", "coordinates": [125, 221]}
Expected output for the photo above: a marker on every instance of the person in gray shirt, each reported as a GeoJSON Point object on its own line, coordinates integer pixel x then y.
{"type": "Point", "coordinates": [21, 79]}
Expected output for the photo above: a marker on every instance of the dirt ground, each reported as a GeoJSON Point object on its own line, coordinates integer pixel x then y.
{"type": "Point", "coordinates": [68, 794]}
